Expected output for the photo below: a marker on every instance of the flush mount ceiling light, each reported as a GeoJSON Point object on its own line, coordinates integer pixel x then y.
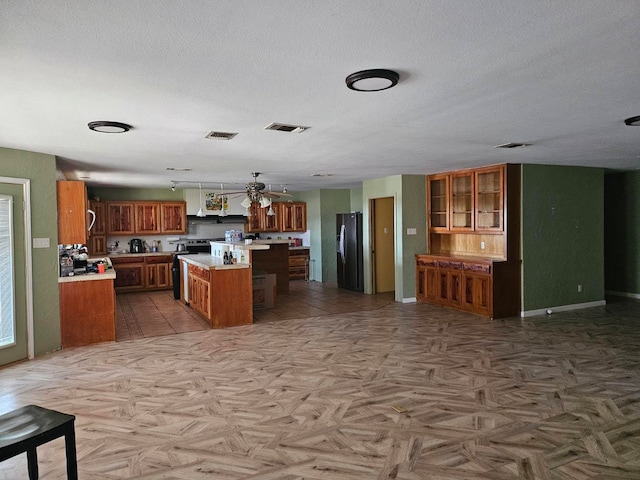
{"type": "Point", "coordinates": [372, 80]}
{"type": "Point", "coordinates": [633, 121]}
{"type": "Point", "coordinates": [104, 126]}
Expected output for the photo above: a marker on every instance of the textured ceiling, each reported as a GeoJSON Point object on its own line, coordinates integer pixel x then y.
{"type": "Point", "coordinates": [559, 75]}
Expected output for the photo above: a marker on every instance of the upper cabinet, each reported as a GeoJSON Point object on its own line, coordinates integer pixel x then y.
{"type": "Point", "coordinates": [467, 212]}
{"type": "Point", "coordinates": [260, 221]}
{"type": "Point", "coordinates": [97, 242]}
{"type": "Point", "coordinates": [73, 223]}
{"type": "Point", "coordinates": [120, 218]}
{"type": "Point", "coordinates": [146, 218]}
{"type": "Point", "coordinates": [293, 216]}
{"type": "Point", "coordinates": [173, 216]}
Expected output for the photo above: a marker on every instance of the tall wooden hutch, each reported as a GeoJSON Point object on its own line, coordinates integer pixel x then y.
{"type": "Point", "coordinates": [473, 224]}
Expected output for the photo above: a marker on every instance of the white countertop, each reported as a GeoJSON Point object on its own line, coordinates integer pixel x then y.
{"type": "Point", "coordinates": [109, 274]}
{"type": "Point", "coordinates": [205, 260]}
{"type": "Point", "coordinates": [244, 246]}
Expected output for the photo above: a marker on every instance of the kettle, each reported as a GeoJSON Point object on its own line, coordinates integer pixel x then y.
{"type": "Point", "coordinates": [136, 245]}
{"type": "Point", "coordinates": [182, 247]}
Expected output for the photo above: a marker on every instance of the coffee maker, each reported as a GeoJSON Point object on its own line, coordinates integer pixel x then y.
{"type": "Point", "coordinates": [136, 245]}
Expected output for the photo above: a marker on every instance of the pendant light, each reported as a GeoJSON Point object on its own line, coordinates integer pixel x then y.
{"type": "Point", "coordinates": [223, 212]}
{"type": "Point", "coordinates": [200, 210]}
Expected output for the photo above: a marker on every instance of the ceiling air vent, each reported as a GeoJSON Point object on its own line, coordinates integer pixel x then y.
{"type": "Point", "coordinates": [283, 127]}
{"type": "Point", "coordinates": [220, 135]}
{"type": "Point", "coordinates": [512, 145]}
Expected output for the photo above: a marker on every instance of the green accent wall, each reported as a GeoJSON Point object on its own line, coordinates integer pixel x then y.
{"type": "Point", "coordinates": [622, 232]}
{"type": "Point", "coordinates": [409, 192]}
{"type": "Point", "coordinates": [322, 207]}
{"type": "Point", "coordinates": [41, 170]}
{"type": "Point", "coordinates": [562, 235]}
{"type": "Point", "coordinates": [356, 200]}
{"type": "Point", "coordinates": [135, 194]}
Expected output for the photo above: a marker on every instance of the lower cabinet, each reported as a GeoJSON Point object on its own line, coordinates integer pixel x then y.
{"type": "Point", "coordinates": [223, 296]}
{"type": "Point", "coordinates": [140, 272]}
{"type": "Point", "coordinates": [484, 287]}
{"type": "Point", "coordinates": [299, 264]}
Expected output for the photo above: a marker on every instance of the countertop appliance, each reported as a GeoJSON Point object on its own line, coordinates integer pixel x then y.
{"type": "Point", "coordinates": [349, 251]}
{"type": "Point", "coordinates": [136, 245]}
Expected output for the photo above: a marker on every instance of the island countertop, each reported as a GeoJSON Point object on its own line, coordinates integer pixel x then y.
{"type": "Point", "coordinates": [205, 260]}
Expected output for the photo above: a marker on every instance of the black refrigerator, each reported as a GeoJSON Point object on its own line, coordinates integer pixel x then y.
{"type": "Point", "coordinates": [349, 248]}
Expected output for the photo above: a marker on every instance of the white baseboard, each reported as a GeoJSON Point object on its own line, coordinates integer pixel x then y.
{"type": "Point", "coordinates": [563, 308]}
{"type": "Point", "coordinates": [409, 300]}
{"type": "Point", "coordinates": [623, 294]}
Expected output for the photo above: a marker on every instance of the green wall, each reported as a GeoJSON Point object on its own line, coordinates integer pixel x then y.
{"type": "Point", "coordinates": [314, 225]}
{"type": "Point", "coordinates": [562, 236]}
{"type": "Point", "coordinates": [622, 233]}
{"type": "Point", "coordinates": [356, 200]}
{"type": "Point", "coordinates": [41, 170]}
{"type": "Point", "coordinates": [135, 194]}
{"type": "Point", "coordinates": [409, 192]}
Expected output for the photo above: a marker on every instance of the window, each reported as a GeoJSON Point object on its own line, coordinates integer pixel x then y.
{"type": "Point", "coordinates": [7, 314]}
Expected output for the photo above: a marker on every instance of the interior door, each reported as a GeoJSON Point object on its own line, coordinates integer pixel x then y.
{"type": "Point", "coordinates": [384, 235]}
{"type": "Point", "coordinates": [13, 311]}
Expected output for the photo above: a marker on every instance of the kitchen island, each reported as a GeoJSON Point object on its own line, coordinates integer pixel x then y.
{"type": "Point", "coordinates": [221, 293]}
{"type": "Point", "coordinates": [88, 308]}
{"type": "Point", "coordinates": [275, 260]}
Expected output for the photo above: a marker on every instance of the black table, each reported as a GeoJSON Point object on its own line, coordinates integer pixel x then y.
{"type": "Point", "coordinates": [26, 428]}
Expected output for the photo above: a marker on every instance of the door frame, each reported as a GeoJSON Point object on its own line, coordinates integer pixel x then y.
{"type": "Point", "coordinates": [28, 257]}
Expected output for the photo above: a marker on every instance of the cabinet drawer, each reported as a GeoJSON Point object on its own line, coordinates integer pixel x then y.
{"type": "Point", "coordinates": [199, 272]}
{"type": "Point", "coordinates": [121, 260]}
{"type": "Point", "coordinates": [158, 259]}
{"type": "Point", "coordinates": [298, 261]}
{"type": "Point", "coordinates": [477, 267]}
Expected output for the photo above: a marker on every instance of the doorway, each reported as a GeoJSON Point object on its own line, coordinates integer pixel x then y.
{"type": "Point", "coordinates": [14, 307]}
{"type": "Point", "coordinates": [383, 243]}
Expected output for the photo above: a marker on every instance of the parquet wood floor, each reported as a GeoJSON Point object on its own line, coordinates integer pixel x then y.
{"type": "Point", "coordinates": [295, 397]}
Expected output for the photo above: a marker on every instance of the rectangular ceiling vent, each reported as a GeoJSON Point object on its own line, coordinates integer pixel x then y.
{"type": "Point", "coordinates": [283, 127]}
{"type": "Point", "coordinates": [220, 135]}
{"type": "Point", "coordinates": [512, 145]}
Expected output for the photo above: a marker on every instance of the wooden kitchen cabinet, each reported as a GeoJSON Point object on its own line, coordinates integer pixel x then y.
{"type": "Point", "coordinates": [260, 222]}
{"type": "Point", "coordinates": [199, 281]}
{"type": "Point", "coordinates": [130, 272]}
{"type": "Point", "coordinates": [293, 216]}
{"type": "Point", "coordinates": [72, 212]}
{"type": "Point", "coordinates": [438, 203]}
{"type": "Point", "coordinates": [299, 264]}
{"type": "Point", "coordinates": [489, 199]}
{"type": "Point", "coordinates": [97, 243]}
{"type": "Point", "coordinates": [173, 217]}
{"type": "Point", "coordinates": [120, 218]}
{"type": "Point", "coordinates": [147, 218]}
{"type": "Point", "coordinates": [87, 312]}
{"type": "Point", "coordinates": [158, 272]}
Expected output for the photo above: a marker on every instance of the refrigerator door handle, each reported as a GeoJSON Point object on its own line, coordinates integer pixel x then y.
{"type": "Point", "coordinates": [341, 244]}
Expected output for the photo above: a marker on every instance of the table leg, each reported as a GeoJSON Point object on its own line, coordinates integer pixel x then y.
{"type": "Point", "coordinates": [32, 463]}
{"type": "Point", "coordinates": [70, 446]}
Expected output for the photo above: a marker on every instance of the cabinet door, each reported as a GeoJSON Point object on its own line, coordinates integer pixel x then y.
{"type": "Point", "coordinates": [120, 218]}
{"type": "Point", "coordinates": [431, 274]}
{"type": "Point", "coordinates": [130, 277]}
{"type": "Point", "coordinates": [253, 220]}
{"type": "Point", "coordinates": [468, 291]}
{"type": "Point", "coordinates": [462, 213]}
{"type": "Point", "coordinates": [293, 217]}
{"type": "Point", "coordinates": [173, 217]}
{"type": "Point", "coordinates": [490, 199]}
{"type": "Point", "coordinates": [455, 288]}
{"type": "Point", "coordinates": [270, 223]}
{"type": "Point", "coordinates": [163, 275]}
{"type": "Point", "coordinates": [147, 218]}
{"type": "Point", "coordinates": [72, 212]}
{"type": "Point", "coordinates": [482, 301]}
{"type": "Point", "coordinates": [100, 225]}
{"type": "Point", "coordinates": [438, 202]}
{"type": "Point", "coordinates": [98, 245]}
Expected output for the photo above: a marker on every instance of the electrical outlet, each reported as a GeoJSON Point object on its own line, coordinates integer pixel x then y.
{"type": "Point", "coordinates": [579, 288]}
{"type": "Point", "coordinates": [482, 245]}
{"type": "Point", "coordinates": [412, 231]}
{"type": "Point", "coordinates": [41, 243]}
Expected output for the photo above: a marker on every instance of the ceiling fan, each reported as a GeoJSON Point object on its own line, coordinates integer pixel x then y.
{"type": "Point", "coordinates": [255, 190]}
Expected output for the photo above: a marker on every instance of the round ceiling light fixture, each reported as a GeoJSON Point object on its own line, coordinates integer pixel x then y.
{"type": "Point", "coordinates": [104, 126]}
{"type": "Point", "coordinates": [633, 121]}
{"type": "Point", "coordinates": [372, 80]}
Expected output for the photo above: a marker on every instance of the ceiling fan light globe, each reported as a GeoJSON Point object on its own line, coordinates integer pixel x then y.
{"type": "Point", "coordinates": [246, 203]}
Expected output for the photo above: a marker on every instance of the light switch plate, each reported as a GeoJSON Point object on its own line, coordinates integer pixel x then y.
{"type": "Point", "coordinates": [412, 231]}
{"type": "Point", "coordinates": [41, 243]}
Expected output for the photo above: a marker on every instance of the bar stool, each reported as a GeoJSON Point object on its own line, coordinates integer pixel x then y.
{"type": "Point", "coordinates": [25, 429]}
